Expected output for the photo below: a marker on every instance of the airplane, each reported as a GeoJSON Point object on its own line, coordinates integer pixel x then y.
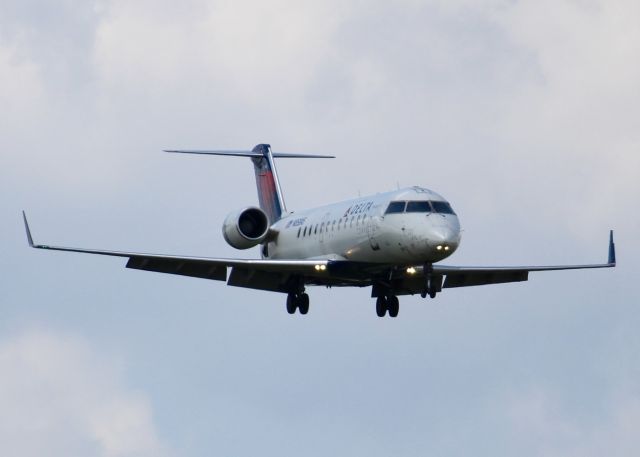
{"type": "Point", "coordinates": [392, 242]}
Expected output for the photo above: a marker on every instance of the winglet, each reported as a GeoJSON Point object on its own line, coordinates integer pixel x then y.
{"type": "Point", "coordinates": [26, 227]}
{"type": "Point", "coordinates": [612, 250]}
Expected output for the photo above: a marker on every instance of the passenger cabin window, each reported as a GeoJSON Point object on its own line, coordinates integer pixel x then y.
{"type": "Point", "coordinates": [442, 207]}
{"type": "Point", "coordinates": [315, 230]}
{"type": "Point", "coordinates": [299, 230]}
{"type": "Point", "coordinates": [418, 207]}
{"type": "Point", "coordinates": [305, 232]}
{"type": "Point", "coordinates": [395, 207]}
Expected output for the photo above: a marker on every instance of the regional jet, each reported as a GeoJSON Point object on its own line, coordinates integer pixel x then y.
{"type": "Point", "coordinates": [392, 242]}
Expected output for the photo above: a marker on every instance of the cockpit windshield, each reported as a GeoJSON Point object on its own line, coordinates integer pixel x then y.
{"type": "Point", "coordinates": [395, 207]}
{"type": "Point", "coordinates": [442, 207]}
{"type": "Point", "coordinates": [418, 207]}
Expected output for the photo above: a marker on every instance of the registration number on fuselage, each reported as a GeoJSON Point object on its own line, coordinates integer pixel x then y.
{"type": "Point", "coordinates": [296, 222]}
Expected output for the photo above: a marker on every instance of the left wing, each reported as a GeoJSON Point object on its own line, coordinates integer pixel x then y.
{"type": "Point", "coordinates": [412, 280]}
{"type": "Point", "coordinates": [475, 276]}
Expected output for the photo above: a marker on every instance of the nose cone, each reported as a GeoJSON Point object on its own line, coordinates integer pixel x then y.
{"type": "Point", "coordinates": [445, 239]}
{"type": "Point", "coordinates": [444, 235]}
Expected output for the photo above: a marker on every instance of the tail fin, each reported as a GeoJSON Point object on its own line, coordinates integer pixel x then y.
{"type": "Point", "coordinates": [269, 191]}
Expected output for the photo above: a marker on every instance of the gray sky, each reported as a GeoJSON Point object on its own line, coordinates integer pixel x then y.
{"type": "Point", "coordinates": [524, 114]}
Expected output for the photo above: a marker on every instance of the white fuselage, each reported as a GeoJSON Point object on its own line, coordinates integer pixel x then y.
{"type": "Point", "coordinates": [365, 230]}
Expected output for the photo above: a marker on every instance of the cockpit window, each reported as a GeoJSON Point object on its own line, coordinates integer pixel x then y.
{"type": "Point", "coordinates": [395, 207]}
{"type": "Point", "coordinates": [442, 207]}
{"type": "Point", "coordinates": [418, 207]}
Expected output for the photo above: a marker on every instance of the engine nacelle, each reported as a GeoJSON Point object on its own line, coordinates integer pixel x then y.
{"type": "Point", "coordinates": [246, 228]}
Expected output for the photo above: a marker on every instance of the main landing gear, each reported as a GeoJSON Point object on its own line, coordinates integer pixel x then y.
{"type": "Point", "coordinates": [387, 303]}
{"type": "Point", "coordinates": [298, 301]}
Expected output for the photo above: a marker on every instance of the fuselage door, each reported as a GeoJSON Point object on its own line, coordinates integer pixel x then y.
{"type": "Point", "coordinates": [372, 227]}
{"type": "Point", "coordinates": [324, 225]}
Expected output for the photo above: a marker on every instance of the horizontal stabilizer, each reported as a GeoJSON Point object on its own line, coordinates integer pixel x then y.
{"type": "Point", "coordinates": [234, 153]}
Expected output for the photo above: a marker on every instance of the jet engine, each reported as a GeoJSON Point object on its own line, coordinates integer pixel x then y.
{"type": "Point", "coordinates": [246, 228]}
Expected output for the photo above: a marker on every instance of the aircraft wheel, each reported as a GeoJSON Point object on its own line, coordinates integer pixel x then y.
{"type": "Point", "coordinates": [393, 304]}
{"type": "Point", "coordinates": [381, 306]}
{"type": "Point", "coordinates": [291, 303]}
{"type": "Point", "coordinates": [303, 303]}
{"type": "Point", "coordinates": [432, 293]}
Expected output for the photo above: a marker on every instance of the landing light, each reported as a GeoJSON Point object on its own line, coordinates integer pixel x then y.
{"type": "Point", "coordinates": [446, 248]}
{"type": "Point", "coordinates": [411, 270]}
{"type": "Point", "coordinates": [320, 267]}
{"type": "Point", "coordinates": [439, 247]}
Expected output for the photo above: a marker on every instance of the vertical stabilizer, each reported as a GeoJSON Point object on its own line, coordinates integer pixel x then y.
{"type": "Point", "coordinates": [269, 191]}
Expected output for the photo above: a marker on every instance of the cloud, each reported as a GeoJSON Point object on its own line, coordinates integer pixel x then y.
{"type": "Point", "coordinates": [576, 115]}
{"type": "Point", "coordinates": [21, 87]}
{"type": "Point", "coordinates": [542, 425]}
{"type": "Point", "coordinates": [59, 397]}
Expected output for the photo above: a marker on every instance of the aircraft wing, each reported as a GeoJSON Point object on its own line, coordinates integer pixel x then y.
{"type": "Point", "coordinates": [474, 276]}
{"type": "Point", "coordinates": [276, 275]}
{"type": "Point", "coordinates": [254, 273]}
{"type": "Point", "coordinates": [412, 280]}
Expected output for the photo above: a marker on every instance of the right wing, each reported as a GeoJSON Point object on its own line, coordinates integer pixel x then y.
{"type": "Point", "coordinates": [254, 273]}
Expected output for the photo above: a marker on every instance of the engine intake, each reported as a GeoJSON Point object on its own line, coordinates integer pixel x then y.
{"type": "Point", "coordinates": [246, 228]}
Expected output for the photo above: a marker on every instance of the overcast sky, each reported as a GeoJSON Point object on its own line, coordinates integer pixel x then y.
{"type": "Point", "coordinates": [524, 114]}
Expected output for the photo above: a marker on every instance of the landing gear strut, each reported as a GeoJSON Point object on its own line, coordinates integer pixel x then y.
{"type": "Point", "coordinates": [298, 301]}
{"type": "Point", "coordinates": [433, 283]}
{"type": "Point", "coordinates": [387, 303]}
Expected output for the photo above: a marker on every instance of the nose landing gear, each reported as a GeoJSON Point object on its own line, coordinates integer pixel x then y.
{"type": "Point", "coordinates": [433, 283]}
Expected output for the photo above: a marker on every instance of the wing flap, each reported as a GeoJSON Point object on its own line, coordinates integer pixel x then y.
{"type": "Point", "coordinates": [482, 278]}
{"type": "Point", "coordinates": [184, 267]}
{"type": "Point", "coordinates": [257, 279]}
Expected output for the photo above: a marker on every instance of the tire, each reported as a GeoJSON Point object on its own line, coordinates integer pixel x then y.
{"type": "Point", "coordinates": [394, 306]}
{"type": "Point", "coordinates": [291, 303]}
{"type": "Point", "coordinates": [303, 303]}
{"type": "Point", "coordinates": [381, 306]}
